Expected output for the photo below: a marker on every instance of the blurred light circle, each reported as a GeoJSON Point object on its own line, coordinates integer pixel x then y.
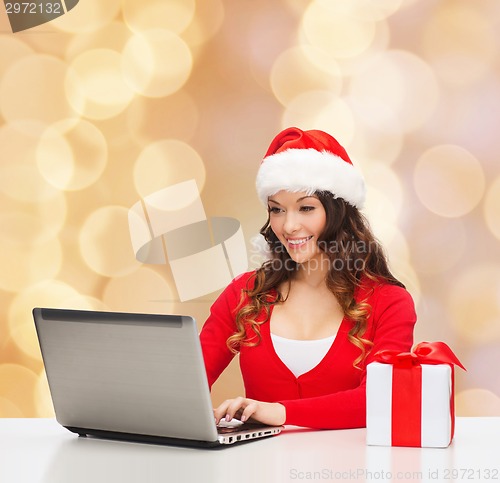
{"type": "Point", "coordinates": [263, 40]}
{"type": "Point", "coordinates": [105, 242]}
{"type": "Point", "coordinates": [460, 42]}
{"type": "Point", "coordinates": [206, 23]}
{"type": "Point", "coordinates": [174, 15]}
{"type": "Point", "coordinates": [148, 119]}
{"type": "Point", "coordinates": [50, 215]}
{"type": "Point", "coordinates": [26, 264]}
{"type": "Point", "coordinates": [86, 302]}
{"type": "Point", "coordinates": [292, 73]}
{"type": "Point", "coordinates": [26, 224]}
{"type": "Point", "coordinates": [19, 175]}
{"type": "Point", "coordinates": [17, 384]}
{"type": "Point", "coordinates": [354, 66]}
{"type": "Point", "coordinates": [397, 248]}
{"type": "Point", "coordinates": [382, 178]}
{"type": "Point", "coordinates": [483, 361]}
{"type": "Point", "coordinates": [331, 27]}
{"type": "Point", "coordinates": [437, 244]}
{"type": "Point", "coordinates": [9, 410]}
{"type": "Point", "coordinates": [18, 227]}
{"type": "Point", "coordinates": [295, 6]}
{"type": "Point", "coordinates": [103, 92]}
{"type": "Point", "coordinates": [370, 10]}
{"type": "Point", "coordinates": [492, 208]}
{"type": "Point", "coordinates": [88, 15]}
{"type": "Point", "coordinates": [47, 293]}
{"type": "Point", "coordinates": [43, 401]}
{"type": "Point", "coordinates": [33, 89]}
{"type": "Point", "coordinates": [156, 62]}
{"type": "Point", "coordinates": [403, 270]}
{"type": "Point", "coordinates": [477, 403]}
{"type": "Point", "coordinates": [434, 318]}
{"type": "Point", "coordinates": [141, 291]}
{"type": "Point", "coordinates": [323, 62]}
{"type": "Point", "coordinates": [449, 180]}
{"type": "Point", "coordinates": [167, 162]}
{"type": "Point", "coordinates": [12, 49]}
{"type": "Point", "coordinates": [321, 110]}
{"type": "Point", "coordinates": [373, 143]}
{"type": "Point", "coordinates": [466, 115]}
{"type": "Point", "coordinates": [376, 115]}
{"type": "Point", "coordinates": [54, 158]}
{"type": "Point", "coordinates": [72, 156]}
{"type": "Point", "coordinates": [389, 82]}
{"type": "Point", "coordinates": [474, 303]}
{"type": "Point", "coordinates": [113, 36]}
{"type": "Point", "coordinates": [382, 211]}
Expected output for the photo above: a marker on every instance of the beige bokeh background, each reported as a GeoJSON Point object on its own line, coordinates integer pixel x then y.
{"type": "Point", "coordinates": [119, 99]}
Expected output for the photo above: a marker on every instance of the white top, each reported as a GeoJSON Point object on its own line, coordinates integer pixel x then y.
{"type": "Point", "coordinates": [300, 356]}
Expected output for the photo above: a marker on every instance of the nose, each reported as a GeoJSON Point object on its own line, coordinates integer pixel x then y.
{"type": "Point", "coordinates": [291, 223]}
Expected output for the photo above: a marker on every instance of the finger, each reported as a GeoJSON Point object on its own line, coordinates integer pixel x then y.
{"type": "Point", "coordinates": [235, 407]}
{"type": "Point", "coordinates": [249, 411]}
{"type": "Point", "coordinates": [221, 410]}
{"type": "Point", "coordinates": [228, 409]}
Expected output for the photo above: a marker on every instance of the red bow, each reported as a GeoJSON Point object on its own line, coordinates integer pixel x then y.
{"type": "Point", "coordinates": [407, 388]}
{"type": "Point", "coordinates": [423, 353]}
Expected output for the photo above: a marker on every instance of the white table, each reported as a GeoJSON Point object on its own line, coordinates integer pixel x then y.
{"type": "Point", "coordinates": [39, 450]}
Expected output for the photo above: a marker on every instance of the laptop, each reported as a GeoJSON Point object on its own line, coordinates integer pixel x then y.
{"type": "Point", "coordinates": [135, 377]}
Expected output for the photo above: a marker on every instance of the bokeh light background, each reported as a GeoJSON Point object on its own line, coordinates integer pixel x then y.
{"type": "Point", "coordinates": [119, 99]}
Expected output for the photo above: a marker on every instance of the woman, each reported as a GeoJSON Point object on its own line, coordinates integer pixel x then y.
{"type": "Point", "coordinates": [308, 321]}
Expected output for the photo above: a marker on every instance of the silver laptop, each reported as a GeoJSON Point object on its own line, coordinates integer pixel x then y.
{"type": "Point", "coordinates": [138, 377]}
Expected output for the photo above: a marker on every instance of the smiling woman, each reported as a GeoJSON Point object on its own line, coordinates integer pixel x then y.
{"type": "Point", "coordinates": [307, 322]}
{"type": "Point", "coordinates": [298, 220]}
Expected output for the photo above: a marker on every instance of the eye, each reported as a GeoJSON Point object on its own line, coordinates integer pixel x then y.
{"type": "Point", "coordinates": [307, 208]}
{"type": "Point", "coordinates": [273, 209]}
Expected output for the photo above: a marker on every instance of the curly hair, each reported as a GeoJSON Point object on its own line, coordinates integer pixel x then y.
{"type": "Point", "coordinates": [353, 252]}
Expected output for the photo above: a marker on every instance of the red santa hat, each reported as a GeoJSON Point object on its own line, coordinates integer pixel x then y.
{"type": "Point", "coordinates": [309, 161]}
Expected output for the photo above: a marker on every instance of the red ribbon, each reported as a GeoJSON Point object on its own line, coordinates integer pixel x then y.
{"type": "Point", "coordinates": [407, 388]}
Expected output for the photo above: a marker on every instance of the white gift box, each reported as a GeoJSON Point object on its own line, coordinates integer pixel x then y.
{"type": "Point", "coordinates": [436, 429]}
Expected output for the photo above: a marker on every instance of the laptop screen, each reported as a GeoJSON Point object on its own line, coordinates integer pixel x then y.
{"type": "Point", "coordinates": [131, 373]}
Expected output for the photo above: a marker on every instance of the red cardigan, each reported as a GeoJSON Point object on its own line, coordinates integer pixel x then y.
{"type": "Point", "coordinates": [332, 394]}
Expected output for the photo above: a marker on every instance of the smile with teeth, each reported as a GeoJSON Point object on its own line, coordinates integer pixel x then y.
{"type": "Point", "coordinates": [298, 241]}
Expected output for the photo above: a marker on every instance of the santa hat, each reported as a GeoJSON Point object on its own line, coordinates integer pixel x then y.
{"type": "Point", "coordinates": [309, 161]}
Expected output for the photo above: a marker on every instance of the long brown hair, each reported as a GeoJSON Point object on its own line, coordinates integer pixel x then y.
{"type": "Point", "coordinates": [353, 253]}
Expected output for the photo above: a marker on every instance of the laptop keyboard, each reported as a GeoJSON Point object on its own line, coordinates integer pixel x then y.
{"type": "Point", "coordinates": [226, 430]}
{"type": "Point", "coordinates": [237, 427]}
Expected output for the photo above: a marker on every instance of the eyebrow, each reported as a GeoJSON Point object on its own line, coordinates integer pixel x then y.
{"type": "Point", "coordinates": [299, 200]}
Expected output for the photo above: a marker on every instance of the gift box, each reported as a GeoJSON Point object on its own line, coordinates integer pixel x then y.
{"type": "Point", "coordinates": [410, 397]}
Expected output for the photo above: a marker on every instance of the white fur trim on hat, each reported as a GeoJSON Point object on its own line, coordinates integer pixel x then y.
{"type": "Point", "coordinates": [310, 170]}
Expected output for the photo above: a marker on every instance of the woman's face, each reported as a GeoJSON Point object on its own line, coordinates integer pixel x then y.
{"type": "Point", "coordinates": [298, 220]}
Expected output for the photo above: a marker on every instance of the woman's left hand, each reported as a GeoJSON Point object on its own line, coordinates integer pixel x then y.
{"type": "Point", "coordinates": [273, 414]}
